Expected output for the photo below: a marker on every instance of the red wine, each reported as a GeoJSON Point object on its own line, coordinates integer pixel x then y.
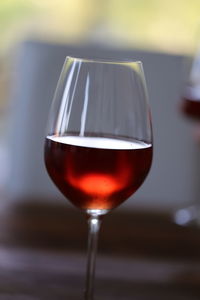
{"type": "Point", "coordinates": [97, 172]}
{"type": "Point", "coordinates": [190, 105]}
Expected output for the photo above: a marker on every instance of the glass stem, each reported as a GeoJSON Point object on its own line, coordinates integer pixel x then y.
{"type": "Point", "coordinates": [94, 225]}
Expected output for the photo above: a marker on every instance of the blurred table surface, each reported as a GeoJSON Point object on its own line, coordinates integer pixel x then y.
{"type": "Point", "coordinates": [141, 255]}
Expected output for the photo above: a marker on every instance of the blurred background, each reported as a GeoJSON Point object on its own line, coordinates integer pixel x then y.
{"type": "Point", "coordinates": [171, 27]}
{"type": "Point", "coordinates": [36, 36]}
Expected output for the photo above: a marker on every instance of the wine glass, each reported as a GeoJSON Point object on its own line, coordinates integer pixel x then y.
{"type": "Point", "coordinates": [190, 108]}
{"type": "Point", "coordinates": [98, 147]}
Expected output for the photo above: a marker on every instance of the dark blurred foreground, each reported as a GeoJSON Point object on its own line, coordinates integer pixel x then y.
{"type": "Point", "coordinates": [141, 255]}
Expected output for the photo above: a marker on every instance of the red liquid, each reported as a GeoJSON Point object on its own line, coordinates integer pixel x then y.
{"type": "Point", "coordinates": [191, 108]}
{"type": "Point", "coordinates": [190, 105]}
{"type": "Point", "coordinates": [97, 173]}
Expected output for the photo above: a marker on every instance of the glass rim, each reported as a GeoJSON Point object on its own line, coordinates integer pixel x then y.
{"type": "Point", "coordinates": [104, 60]}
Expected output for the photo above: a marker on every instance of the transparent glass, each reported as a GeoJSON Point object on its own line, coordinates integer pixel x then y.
{"type": "Point", "coordinates": [98, 147]}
